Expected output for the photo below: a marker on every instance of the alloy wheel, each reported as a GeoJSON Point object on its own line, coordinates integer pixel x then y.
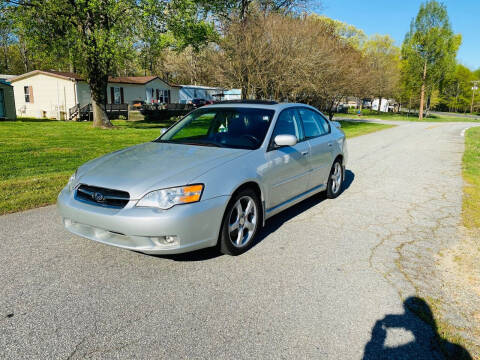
{"type": "Point", "coordinates": [243, 221]}
{"type": "Point", "coordinates": [336, 177]}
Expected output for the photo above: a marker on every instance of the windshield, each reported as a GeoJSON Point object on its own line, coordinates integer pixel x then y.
{"type": "Point", "coordinates": [243, 128]}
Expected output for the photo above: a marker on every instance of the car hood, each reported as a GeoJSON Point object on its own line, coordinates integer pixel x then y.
{"type": "Point", "coordinates": [150, 166]}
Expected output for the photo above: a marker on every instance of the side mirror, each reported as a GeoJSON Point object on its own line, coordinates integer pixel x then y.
{"type": "Point", "coordinates": [163, 131]}
{"type": "Point", "coordinates": [285, 140]}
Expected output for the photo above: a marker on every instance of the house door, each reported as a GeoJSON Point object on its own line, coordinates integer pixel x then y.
{"type": "Point", "coordinates": [2, 104]}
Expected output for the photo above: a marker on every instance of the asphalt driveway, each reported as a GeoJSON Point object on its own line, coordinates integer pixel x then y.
{"type": "Point", "coordinates": [329, 279]}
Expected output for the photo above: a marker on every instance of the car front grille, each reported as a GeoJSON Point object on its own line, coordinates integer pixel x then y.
{"type": "Point", "coordinates": [101, 196]}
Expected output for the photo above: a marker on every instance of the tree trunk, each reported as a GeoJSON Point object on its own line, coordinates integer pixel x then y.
{"type": "Point", "coordinates": [98, 86]}
{"type": "Point", "coordinates": [100, 118]}
{"type": "Point", "coordinates": [330, 111]}
{"type": "Point", "coordinates": [422, 93]}
{"type": "Point", "coordinates": [5, 58]}
{"type": "Point", "coordinates": [379, 103]}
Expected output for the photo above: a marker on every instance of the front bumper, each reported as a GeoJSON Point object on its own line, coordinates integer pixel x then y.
{"type": "Point", "coordinates": [194, 226]}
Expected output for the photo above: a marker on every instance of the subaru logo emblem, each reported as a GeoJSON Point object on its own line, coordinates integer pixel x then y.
{"type": "Point", "coordinates": [98, 197]}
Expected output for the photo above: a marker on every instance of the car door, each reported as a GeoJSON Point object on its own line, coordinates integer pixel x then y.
{"type": "Point", "coordinates": [318, 135]}
{"type": "Point", "coordinates": [287, 168]}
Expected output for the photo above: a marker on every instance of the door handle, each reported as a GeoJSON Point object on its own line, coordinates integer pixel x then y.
{"type": "Point", "coordinates": [304, 153]}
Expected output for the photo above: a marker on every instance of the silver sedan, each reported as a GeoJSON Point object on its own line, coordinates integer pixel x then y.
{"type": "Point", "coordinates": [211, 179]}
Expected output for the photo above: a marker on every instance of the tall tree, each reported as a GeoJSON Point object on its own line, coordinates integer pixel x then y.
{"type": "Point", "coordinates": [101, 34]}
{"type": "Point", "coordinates": [430, 47]}
{"type": "Point", "coordinates": [6, 37]}
{"type": "Point", "coordinates": [383, 58]}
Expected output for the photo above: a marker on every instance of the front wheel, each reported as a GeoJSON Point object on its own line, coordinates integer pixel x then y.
{"type": "Point", "coordinates": [335, 180]}
{"type": "Point", "coordinates": [240, 224]}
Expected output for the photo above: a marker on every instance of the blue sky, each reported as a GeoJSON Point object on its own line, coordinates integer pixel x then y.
{"type": "Point", "coordinates": [393, 17]}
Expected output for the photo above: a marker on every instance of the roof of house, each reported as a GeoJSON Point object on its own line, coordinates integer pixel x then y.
{"type": "Point", "coordinates": [132, 79]}
{"type": "Point", "coordinates": [6, 76]}
{"type": "Point", "coordinates": [140, 80]}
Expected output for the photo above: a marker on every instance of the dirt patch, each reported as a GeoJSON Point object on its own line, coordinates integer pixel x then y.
{"type": "Point", "coordinates": [459, 306]}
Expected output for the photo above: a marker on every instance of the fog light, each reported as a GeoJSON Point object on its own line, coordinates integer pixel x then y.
{"type": "Point", "coordinates": [169, 240]}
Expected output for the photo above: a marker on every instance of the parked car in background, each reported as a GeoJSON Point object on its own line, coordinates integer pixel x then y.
{"type": "Point", "coordinates": [198, 102]}
{"type": "Point", "coordinates": [212, 179]}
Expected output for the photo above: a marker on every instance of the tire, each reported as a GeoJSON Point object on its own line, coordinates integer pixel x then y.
{"type": "Point", "coordinates": [335, 180]}
{"type": "Point", "coordinates": [240, 227]}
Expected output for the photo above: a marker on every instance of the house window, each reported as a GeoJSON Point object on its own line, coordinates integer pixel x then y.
{"type": "Point", "coordinates": [26, 90]}
{"type": "Point", "coordinates": [164, 97]}
{"type": "Point", "coordinates": [116, 94]}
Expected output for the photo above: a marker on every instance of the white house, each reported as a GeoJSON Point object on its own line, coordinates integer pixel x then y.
{"type": "Point", "coordinates": [51, 94]}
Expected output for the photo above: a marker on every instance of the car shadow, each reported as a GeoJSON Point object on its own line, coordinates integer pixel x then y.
{"type": "Point", "coordinates": [271, 225]}
{"type": "Point", "coordinates": [427, 343]}
{"type": "Point", "coordinates": [275, 222]}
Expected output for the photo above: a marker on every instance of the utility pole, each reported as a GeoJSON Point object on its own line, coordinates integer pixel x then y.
{"type": "Point", "coordinates": [474, 88]}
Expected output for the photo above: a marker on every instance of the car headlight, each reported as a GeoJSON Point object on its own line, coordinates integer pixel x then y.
{"type": "Point", "coordinates": [72, 182]}
{"type": "Point", "coordinates": [166, 198]}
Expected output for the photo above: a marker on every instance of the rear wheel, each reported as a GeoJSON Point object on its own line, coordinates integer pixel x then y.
{"type": "Point", "coordinates": [335, 180]}
{"type": "Point", "coordinates": [240, 223]}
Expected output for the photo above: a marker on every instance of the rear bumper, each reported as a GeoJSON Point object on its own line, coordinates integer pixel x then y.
{"type": "Point", "coordinates": [192, 226]}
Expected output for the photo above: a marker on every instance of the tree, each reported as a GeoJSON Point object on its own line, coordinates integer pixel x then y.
{"type": "Point", "coordinates": [99, 35]}
{"type": "Point", "coordinates": [6, 37]}
{"type": "Point", "coordinates": [429, 48]}
{"type": "Point", "coordinates": [383, 58]}
{"type": "Point", "coordinates": [456, 90]}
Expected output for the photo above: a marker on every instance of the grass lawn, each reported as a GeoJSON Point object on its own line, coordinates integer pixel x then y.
{"type": "Point", "coordinates": [369, 114]}
{"type": "Point", "coordinates": [38, 156]}
{"type": "Point", "coordinates": [353, 129]}
{"type": "Point", "coordinates": [471, 173]}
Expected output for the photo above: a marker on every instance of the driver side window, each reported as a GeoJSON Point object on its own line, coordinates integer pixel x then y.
{"type": "Point", "coordinates": [288, 123]}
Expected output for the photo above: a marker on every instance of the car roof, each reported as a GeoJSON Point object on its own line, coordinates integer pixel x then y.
{"type": "Point", "coordinates": [257, 105]}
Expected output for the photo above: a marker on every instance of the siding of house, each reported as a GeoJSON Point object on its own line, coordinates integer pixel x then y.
{"type": "Point", "coordinates": [8, 101]}
{"type": "Point", "coordinates": [188, 93]}
{"type": "Point", "coordinates": [50, 96]}
{"type": "Point", "coordinates": [131, 92]}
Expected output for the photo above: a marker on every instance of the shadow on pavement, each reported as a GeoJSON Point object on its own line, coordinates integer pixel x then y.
{"type": "Point", "coordinates": [271, 225]}
{"type": "Point", "coordinates": [427, 343]}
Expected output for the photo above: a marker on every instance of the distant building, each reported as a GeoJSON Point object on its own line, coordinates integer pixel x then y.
{"type": "Point", "coordinates": [187, 93]}
{"type": "Point", "coordinates": [232, 94]}
{"type": "Point", "coordinates": [55, 94]}
{"type": "Point", "coordinates": [387, 105]}
{"type": "Point", "coordinates": [383, 105]}
{"type": "Point", "coordinates": [51, 94]}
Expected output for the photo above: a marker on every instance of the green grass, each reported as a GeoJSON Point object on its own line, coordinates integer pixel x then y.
{"type": "Point", "coordinates": [471, 174]}
{"type": "Point", "coordinates": [353, 129]}
{"type": "Point", "coordinates": [38, 156]}
{"type": "Point", "coordinates": [371, 114]}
